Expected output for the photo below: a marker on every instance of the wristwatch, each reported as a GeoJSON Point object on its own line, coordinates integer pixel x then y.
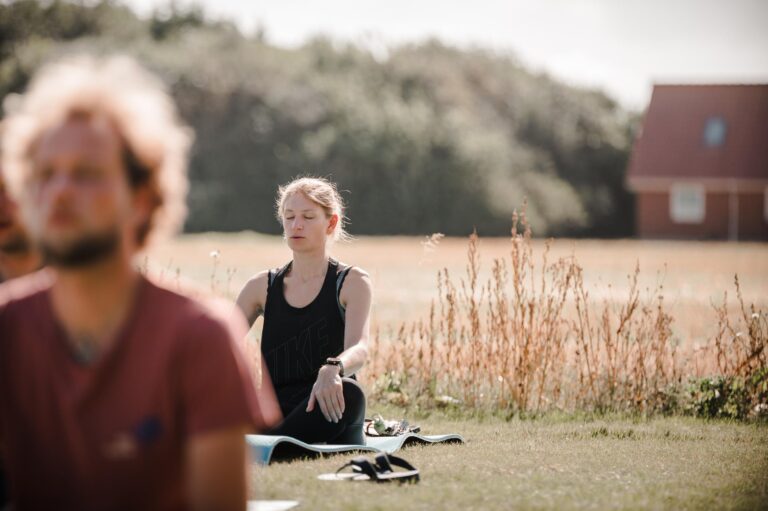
{"type": "Point", "coordinates": [334, 361]}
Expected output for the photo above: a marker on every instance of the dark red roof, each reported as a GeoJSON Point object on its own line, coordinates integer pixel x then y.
{"type": "Point", "coordinates": [672, 144]}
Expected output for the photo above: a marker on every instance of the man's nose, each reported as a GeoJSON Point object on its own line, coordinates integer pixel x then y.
{"type": "Point", "coordinates": [59, 185]}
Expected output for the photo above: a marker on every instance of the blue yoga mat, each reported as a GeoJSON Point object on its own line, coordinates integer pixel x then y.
{"type": "Point", "coordinates": [271, 505]}
{"type": "Point", "coordinates": [267, 448]}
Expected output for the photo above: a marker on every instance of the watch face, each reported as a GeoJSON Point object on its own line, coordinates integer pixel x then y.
{"type": "Point", "coordinates": [336, 362]}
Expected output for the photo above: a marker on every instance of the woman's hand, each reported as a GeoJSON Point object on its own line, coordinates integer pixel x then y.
{"type": "Point", "coordinates": [328, 392]}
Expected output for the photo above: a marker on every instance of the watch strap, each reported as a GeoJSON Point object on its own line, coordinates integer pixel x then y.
{"type": "Point", "coordinates": [336, 362]}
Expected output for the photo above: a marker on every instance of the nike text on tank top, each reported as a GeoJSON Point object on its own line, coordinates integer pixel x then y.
{"type": "Point", "coordinates": [296, 341]}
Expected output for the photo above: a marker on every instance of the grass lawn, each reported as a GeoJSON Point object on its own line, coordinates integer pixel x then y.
{"type": "Point", "coordinates": [551, 463]}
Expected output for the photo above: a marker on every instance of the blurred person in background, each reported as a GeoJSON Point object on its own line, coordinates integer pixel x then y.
{"type": "Point", "coordinates": [316, 320]}
{"type": "Point", "coordinates": [17, 255]}
{"type": "Point", "coordinates": [114, 392]}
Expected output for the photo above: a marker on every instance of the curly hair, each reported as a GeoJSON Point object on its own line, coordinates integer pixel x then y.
{"type": "Point", "coordinates": [155, 142]}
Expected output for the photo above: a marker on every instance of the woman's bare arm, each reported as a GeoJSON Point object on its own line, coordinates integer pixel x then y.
{"type": "Point", "coordinates": [253, 296]}
{"type": "Point", "coordinates": [356, 296]}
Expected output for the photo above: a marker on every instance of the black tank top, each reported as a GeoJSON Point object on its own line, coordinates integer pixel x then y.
{"type": "Point", "coordinates": [296, 341]}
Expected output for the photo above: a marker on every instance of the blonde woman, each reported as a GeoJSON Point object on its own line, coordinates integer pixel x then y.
{"type": "Point", "coordinates": [316, 320]}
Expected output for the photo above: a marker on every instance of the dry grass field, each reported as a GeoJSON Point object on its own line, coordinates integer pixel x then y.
{"type": "Point", "coordinates": [537, 325]}
{"type": "Point", "coordinates": [403, 270]}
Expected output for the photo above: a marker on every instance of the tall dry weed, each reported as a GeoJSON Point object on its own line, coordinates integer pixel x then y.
{"type": "Point", "coordinates": [530, 338]}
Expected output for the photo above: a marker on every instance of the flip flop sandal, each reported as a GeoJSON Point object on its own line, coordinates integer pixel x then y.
{"type": "Point", "coordinates": [384, 464]}
{"type": "Point", "coordinates": [362, 470]}
{"type": "Point", "coordinates": [381, 471]}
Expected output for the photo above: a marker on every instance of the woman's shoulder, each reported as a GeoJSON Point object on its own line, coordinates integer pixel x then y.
{"type": "Point", "coordinates": [357, 283]}
{"type": "Point", "coordinates": [253, 296]}
{"type": "Point", "coordinates": [353, 272]}
{"type": "Point", "coordinates": [262, 279]}
{"type": "Point", "coordinates": [258, 280]}
{"type": "Point", "coordinates": [255, 287]}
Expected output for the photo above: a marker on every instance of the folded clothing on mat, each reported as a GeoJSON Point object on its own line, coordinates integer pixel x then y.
{"type": "Point", "coordinates": [378, 426]}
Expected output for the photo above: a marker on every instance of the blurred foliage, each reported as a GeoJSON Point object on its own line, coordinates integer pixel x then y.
{"type": "Point", "coordinates": [424, 138]}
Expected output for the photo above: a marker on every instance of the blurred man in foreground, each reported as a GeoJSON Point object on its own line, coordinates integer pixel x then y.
{"type": "Point", "coordinates": [114, 393]}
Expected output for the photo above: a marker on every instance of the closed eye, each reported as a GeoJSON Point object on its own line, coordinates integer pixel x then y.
{"type": "Point", "coordinates": [43, 174]}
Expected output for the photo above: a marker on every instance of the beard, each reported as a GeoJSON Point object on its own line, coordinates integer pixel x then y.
{"type": "Point", "coordinates": [16, 244]}
{"type": "Point", "coordinates": [86, 251]}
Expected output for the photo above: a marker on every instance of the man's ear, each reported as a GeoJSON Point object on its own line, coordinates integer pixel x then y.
{"type": "Point", "coordinates": [143, 202]}
{"type": "Point", "coordinates": [332, 222]}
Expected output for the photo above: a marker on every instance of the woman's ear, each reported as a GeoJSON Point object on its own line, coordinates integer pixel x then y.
{"type": "Point", "coordinates": [332, 222]}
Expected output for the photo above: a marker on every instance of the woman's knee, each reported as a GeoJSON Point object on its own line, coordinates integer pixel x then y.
{"type": "Point", "coordinates": [352, 387]}
{"type": "Point", "coordinates": [354, 396]}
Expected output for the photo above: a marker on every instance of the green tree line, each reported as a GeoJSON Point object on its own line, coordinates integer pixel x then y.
{"type": "Point", "coordinates": [428, 138]}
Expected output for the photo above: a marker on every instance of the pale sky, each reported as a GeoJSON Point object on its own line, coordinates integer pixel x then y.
{"type": "Point", "coordinates": [621, 46]}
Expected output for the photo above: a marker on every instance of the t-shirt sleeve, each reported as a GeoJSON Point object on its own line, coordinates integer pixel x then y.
{"type": "Point", "coordinates": [218, 388]}
{"type": "Point", "coordinates": [5, 340]}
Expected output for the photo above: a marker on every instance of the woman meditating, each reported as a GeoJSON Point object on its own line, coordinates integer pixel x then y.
{"type": "Point", "coordinates": [316, 320]}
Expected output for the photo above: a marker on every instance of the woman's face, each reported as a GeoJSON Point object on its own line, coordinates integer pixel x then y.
{"type": "Point", "coordinates": [305, 223]}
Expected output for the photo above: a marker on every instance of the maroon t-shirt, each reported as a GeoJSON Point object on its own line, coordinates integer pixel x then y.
{"type": "Point", "coordinates": [111, 435]}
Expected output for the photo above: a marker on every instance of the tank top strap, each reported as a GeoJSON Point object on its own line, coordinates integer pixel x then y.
{"type": "Point", "coordinates": [340, 277]}
{"type": "Point", "coordinates": [272, 275]}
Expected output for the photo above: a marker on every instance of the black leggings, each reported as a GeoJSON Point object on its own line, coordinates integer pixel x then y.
{"type": "Point", "coordinates": [312, 427]}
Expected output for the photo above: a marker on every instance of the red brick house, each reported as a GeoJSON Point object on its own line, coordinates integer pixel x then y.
{"type": "Point", "coordinates": [699, 168]}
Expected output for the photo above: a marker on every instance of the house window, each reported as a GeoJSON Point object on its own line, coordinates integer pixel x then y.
{"type": "Point", "coordinates": [714, 132]}
{"type": "Point", "coordinates": [686, 203]}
